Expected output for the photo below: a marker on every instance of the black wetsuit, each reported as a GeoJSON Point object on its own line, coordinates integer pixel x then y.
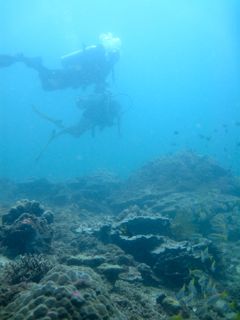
{"type": "Point", "coordinates": [92, 67]}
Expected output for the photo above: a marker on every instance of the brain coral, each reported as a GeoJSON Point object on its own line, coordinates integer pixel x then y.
{"type": "Point", "coordinates": [64, 293]}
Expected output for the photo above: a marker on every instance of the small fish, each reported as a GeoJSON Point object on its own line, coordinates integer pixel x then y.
{"type": "Point", "coordinates": [192, 288]}
{"type": "Point", "coordinates": [212, 299]}
{"type": "Point", "coordinates": [213, 266]}
{"type": "Point", "coordinates": [203, 282]}
{"type": "Point", "coordinates": [233, 305]}
{"type": "Point", "coordinates": [204, 255]}
{"type": "Point", "coordinates": [218, 237]}
{"type": "Point", "coordinates": [190, 299]}
{"type": "Point", "coordinates": [203, 137]}
{"type": "Point", "coordinates": [176, 132]}
{"type": "Point", "coordinates": [224, 294]}
{"type": "Point", "coordinates": [211, 288]}
{"type": "Point", "coordinates": [181, 293]}
{"type": "Point", "coordinates": [196, 273]}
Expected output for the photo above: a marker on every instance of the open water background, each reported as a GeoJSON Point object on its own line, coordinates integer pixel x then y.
{"type": "Point", "coordinates": [180, 64]}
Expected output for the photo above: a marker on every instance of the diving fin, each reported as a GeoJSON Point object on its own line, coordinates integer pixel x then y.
{"type": "Point", "coordinates": [7, 60]}
{"type": "Point", "coordinates": [57, 123]}
{"type": "Point", "coordinates": [51, 138]}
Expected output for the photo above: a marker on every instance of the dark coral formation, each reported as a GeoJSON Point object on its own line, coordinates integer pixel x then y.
{"type": "Point", "coordinates": [27, 229]}
{"type": "Point", "coordinates": [148, 238]}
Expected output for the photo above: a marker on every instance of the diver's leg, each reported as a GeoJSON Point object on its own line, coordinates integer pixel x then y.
{"type": "Point", "coordinates": [31, 62]}
{"type": "Point", "coordinates": [53, 79]}
{"type": "Point", "coordinates": [50, 79]}
{"type": "Point", "coordinates": [7, 60]}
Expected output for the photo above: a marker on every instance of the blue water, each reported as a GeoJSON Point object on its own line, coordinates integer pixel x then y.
{"type": "Point", "coordinates": [179, 64]}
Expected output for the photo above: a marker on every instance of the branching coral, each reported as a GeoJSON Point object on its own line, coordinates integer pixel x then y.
{"type": "Point", "coordinates": [27, 268]}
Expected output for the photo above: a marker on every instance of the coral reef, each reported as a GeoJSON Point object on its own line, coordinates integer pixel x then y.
{"type": "Point", "coordinates": [27, 268]}
{"type": "Point", "coordinates": [183, 172]}
{"type": "Point", "coordinates": [26, 228]}
{"type": "Point", "coordinates": [163, 244]}
{"type": "Point", "coordinates": [65, 293]}
{"type": "Point", "coordinates": [147, 237]}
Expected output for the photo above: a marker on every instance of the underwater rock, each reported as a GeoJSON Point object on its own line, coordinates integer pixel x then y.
{"type": "Point", "coordinates": [140, 246]}
{"type": "Point", "coordinates": [183, 172]}
{"type": "Point", "coordinates": [149, 240]}
{"type": "Point", "coordinates": [111, 271]}
{"type": "Point", "coordinates": [137, 229]}
{"type": "Point", "coordinates": [84, 260]}
{"type": "Point", "coordinates": [148, 276]}
{"type": "Point", "coordinates": [131, 275]}
{"type": "Point", "coordinates": [26, 229]}
{"type": "Point", "coordinates": [170, 260]}
{"type": "Point", "coordinates": [22, 206]}
{"type": "Point", "coordinates": [39, 188]}
{"type": "Point", "coordinates": [171, 305]}
{"type": "Point", "coordinates": [135, 225]}
{"type": "Point", "coordinates": [173, 260]}
{"type": "Point", "coordinates": [89, 192]}
{"type": "Point", "coordinates": [96, 186]}
{"type": "Point", "coordinates": [48, 216]}
{"type": "Point", "coordinates": [3, 261]}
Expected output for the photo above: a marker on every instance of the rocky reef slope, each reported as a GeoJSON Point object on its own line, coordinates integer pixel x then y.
{"type": "Point", "coordinates": [163, 244]}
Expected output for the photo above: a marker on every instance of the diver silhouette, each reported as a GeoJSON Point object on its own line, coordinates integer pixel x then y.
{"type": "Point", "coordinates": [80, 69]}
{"type": "Point", "coordinates": [99, 110]}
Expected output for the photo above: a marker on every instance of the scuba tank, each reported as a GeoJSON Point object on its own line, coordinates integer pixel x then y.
{"type": "Point", "coordinates": [72, 59]}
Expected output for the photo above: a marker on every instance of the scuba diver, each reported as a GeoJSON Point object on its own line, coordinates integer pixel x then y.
{"type": "Point", "coordinates": [99, 110]}
{"type": "Point", "coordinates": [89, 66]}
